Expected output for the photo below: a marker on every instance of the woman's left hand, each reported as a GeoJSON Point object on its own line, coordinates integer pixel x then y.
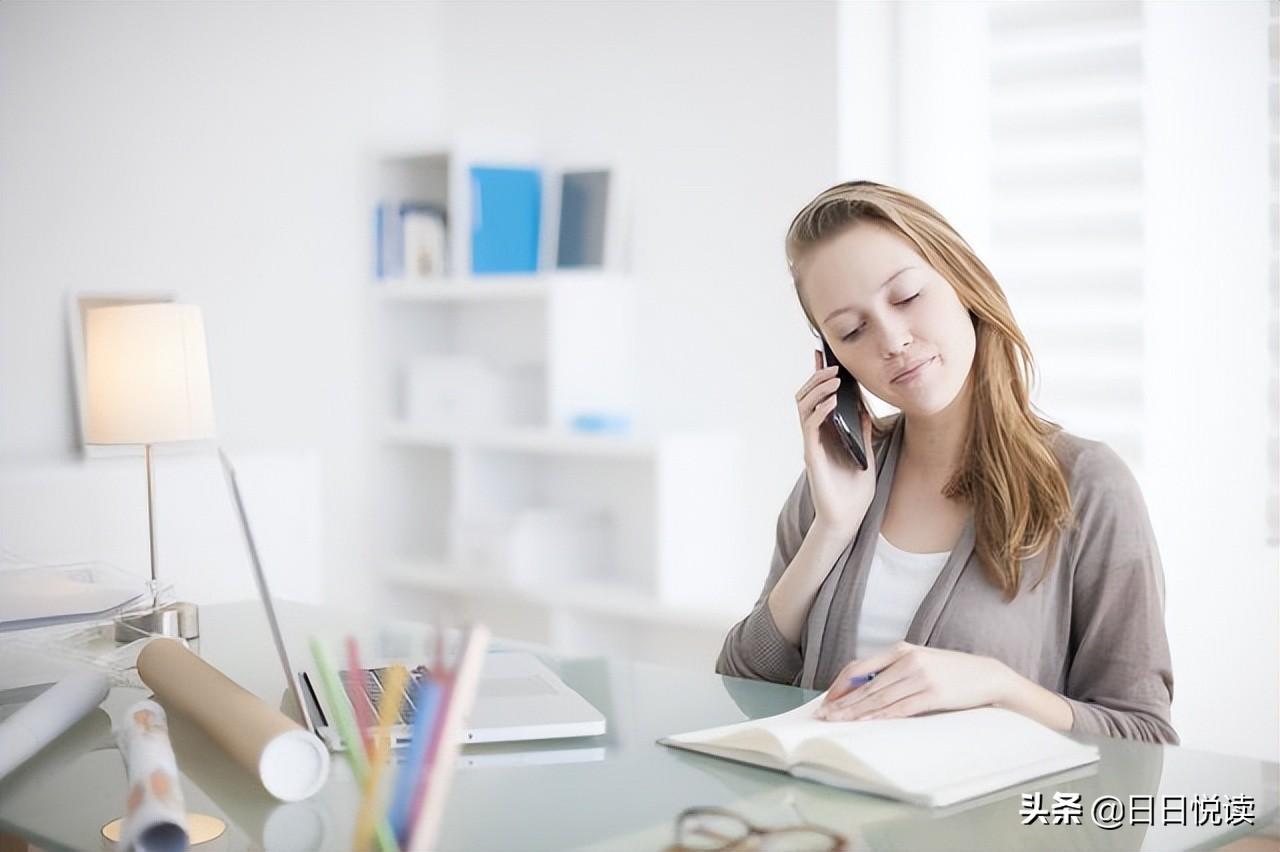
{"type": "Point", "coordinates": [913, 679]}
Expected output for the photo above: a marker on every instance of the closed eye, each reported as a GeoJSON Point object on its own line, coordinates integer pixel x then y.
{"type": "Point", "coordinates": [854, 333]}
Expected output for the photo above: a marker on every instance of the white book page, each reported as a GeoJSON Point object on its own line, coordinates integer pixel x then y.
{"type": "Point", "coordinates": [922, 753]}
{"type": "Point", "coordinates": [776, 735]}
{"type": "Point", "coordinates": [917, 756]}
{"type": "Point", "coordinates": [829, 754]}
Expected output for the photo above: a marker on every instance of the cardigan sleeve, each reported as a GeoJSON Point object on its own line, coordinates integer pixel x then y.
{"type": "Point", "coordinates": [754, 647]}
{"type": "Point", "coordinates": [1120, 677]}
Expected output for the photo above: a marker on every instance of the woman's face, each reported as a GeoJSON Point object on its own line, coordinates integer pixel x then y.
{"type": "Point", "coordinates": [890, 318]}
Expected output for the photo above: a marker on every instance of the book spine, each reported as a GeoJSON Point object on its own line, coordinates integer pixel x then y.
{"type": "Point", "coordinates": [378, 271]}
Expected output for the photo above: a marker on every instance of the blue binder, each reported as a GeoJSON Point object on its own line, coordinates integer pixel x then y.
{"type": "Point", "coordinates": [506, 208]}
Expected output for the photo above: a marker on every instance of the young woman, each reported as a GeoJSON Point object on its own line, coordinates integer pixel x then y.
{"type": "Point", "coordinates": [985, 556]}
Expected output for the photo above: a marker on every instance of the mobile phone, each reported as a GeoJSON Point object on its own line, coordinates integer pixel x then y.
{"type": "Point", "coordinates": [844, 417]}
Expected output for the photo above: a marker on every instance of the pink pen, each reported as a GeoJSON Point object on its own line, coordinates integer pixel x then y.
{"type": "Point", "coordinates": [355, 692]}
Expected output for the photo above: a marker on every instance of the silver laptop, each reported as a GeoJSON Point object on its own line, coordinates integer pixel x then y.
{"type": "Point", "coordinates": [518, 698]}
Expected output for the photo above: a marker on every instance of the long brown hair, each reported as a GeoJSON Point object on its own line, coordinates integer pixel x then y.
{"type": "Point", "coordinates": [1008, 473]}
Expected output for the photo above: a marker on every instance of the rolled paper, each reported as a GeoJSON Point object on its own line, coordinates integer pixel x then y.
{"type": "Point", "coordinates": [48, 715]}
{"type": "Point", "coordinates": [290, 762]}
{"type": "Point", "coordinates": [155, 818]}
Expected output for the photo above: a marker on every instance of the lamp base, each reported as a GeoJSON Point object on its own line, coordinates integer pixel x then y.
{"type": "Point", "coordinates": [179, 620]}
{"type": "Point", "coordinates": [201, 828]}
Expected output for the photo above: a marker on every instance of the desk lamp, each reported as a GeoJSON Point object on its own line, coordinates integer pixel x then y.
{"type": "Point", "coordinates": [147, 378]}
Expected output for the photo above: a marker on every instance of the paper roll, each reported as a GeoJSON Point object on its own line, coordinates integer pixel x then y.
{"type": "Point", "coordinates": [48, 715]}
{"type": "Point", "coordinates": [155, 818]}
{"type": "Point", "coordinates": [290, 762]}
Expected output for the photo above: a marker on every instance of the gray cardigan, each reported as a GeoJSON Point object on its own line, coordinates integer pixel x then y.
{"type": "Point", "coordinates": [1092, 631]}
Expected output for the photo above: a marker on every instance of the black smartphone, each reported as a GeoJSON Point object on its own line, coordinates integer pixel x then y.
{"type": "Point", "coordinates": [844, 417]}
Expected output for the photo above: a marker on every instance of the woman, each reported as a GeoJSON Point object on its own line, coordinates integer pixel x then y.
{"type": "Point", "coordinates": [985, 556]}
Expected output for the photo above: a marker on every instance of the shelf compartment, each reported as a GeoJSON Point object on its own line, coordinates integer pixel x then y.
{"type": "Point", "coordinates": [605, 599]}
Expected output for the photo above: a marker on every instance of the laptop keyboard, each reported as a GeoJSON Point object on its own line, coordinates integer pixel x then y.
{"type": "Point", "coordinates": [365, 687]}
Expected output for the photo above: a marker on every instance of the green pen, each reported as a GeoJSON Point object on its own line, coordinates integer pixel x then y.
{"type": "Point", "coordinates": [350, 736]}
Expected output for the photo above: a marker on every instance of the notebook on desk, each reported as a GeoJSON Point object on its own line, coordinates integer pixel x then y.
{"type": "Point", "coordinates": [934, 760]}
{"type": "Point", "coordinates": [517, 697]}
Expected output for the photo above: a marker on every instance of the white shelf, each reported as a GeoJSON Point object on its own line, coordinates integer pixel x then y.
{"type": "Point", "coordinates": [547, 346]}
{"type": "Point", "coordinates": [462, 289]}
{"type": "Point", "coordinates": [586, 597]}
{"type": "Point", "coordinates": [518, 439]}
{"type": "Point", "coordinates": [487, 288]}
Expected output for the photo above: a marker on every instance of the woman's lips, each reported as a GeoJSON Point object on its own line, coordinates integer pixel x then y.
{"type": "Point", "coordinates": [913, 373]}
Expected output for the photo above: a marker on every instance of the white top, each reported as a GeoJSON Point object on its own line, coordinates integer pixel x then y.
{"type": "Point", "coordinates": [897, 584]}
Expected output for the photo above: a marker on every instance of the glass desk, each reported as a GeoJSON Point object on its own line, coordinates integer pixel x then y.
{"type": "Point", "coordinates": [617, 791]}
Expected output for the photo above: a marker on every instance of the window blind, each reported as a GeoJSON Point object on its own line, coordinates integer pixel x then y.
{"type": "Point", "coordinates": [1067, 206]}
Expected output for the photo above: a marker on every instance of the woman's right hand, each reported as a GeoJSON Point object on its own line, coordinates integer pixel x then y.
{"type": "Point", "coordinates": [841, 490]}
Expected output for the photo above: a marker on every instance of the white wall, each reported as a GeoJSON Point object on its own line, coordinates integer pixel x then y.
{"type": "Point", "coordinates": [1207, 310]}
{"type": "Point", "coordinates": [220, 150]}
{"type": "Point", "coordinates": [211, 149]}
{"type": "Point", "coordinates": [943, 124]}
{"type": "Point", "coordinates": [54, 512]}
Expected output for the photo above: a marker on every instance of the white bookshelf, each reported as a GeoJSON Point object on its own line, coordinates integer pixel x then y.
{"type": "Point", "coordinates": [456, 289]}
{"type": "Point", "coordinates": [519, 439]}
{"type": "Point", "coordinates": [603, 599]}
{"type": "Point", "coordinates": [456, 498]}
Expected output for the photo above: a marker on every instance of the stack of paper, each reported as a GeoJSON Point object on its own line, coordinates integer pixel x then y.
{"type": "Point", "coordinates": [41, 597]}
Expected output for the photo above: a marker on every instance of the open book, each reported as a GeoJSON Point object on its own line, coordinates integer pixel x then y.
{"type": "Point", "coordinates": [934, 760]}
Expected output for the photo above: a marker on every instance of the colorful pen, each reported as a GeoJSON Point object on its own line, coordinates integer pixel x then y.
{"type": "Point", "coordinates": [388, 713]}
{"type": "Point", "coordinates": [859, 680]}
{"type": "Point", "coordinates": [427, 700]}
{"type": "Point", "coordinates": [347, 730]}
{"type": "Point", "coordinates": [364, 717]}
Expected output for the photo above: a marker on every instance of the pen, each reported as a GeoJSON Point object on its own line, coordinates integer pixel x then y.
{"type": "Point", "coordinates": [445, 682]}
{"type": "Point", "coordinates": [427, 701]}
{"type": "Point", "coordinates": [461, 692]}
{"type": "Point", "coordinates": [364, 722]}
{"type": "Point", "coordinates": [854, 682]}
{"type": "Point", "coordinates": [347, 730]}
{"type": "Point", "coordinates": [388, 713]}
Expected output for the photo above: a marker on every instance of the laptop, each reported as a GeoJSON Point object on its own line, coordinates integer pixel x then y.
{"type": "Point", "coordinates": [517, 698]}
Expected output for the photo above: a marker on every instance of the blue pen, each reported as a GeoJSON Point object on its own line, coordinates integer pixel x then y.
{"type": "Point", "coordinates": [426, 698]}
{"type": "Point", "coordinates": [854, 682]}
{"type": "Point", "coordinates": [859, 680]}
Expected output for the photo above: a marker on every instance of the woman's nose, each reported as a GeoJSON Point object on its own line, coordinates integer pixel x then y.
{"type": "Point", "coordinates": [894, 339]}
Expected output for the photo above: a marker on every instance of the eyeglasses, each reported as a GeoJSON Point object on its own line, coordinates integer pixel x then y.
{"type": "Point", "coordinates": [720, 829]}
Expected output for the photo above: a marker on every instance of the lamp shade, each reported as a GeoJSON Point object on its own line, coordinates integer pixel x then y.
{"type": "Point", "coordinates": [147, 375]}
